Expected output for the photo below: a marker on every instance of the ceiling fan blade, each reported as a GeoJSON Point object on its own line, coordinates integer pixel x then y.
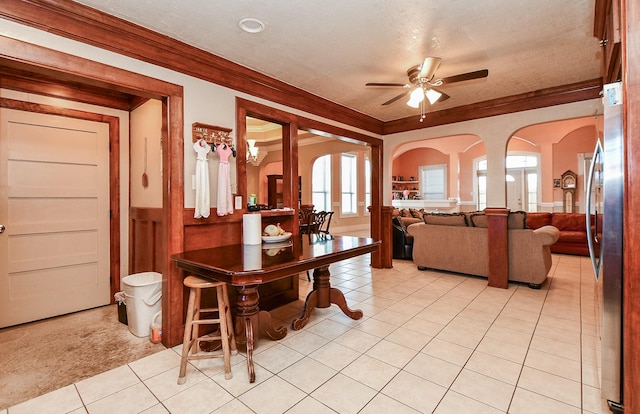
{"type": "Point", "coordinates": [465, 76]}
{"type": "Point", "coordinates": [396, 98]}
{"type": "Point", "coordinates": [429, 67]}
{"type": "Point", "coordinates": [403, 85]}
{"type": "Point", "coordinates": [443, 97]}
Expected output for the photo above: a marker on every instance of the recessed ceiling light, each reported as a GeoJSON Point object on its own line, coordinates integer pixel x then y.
{"type": "Point", "coordinates": [251, 25]}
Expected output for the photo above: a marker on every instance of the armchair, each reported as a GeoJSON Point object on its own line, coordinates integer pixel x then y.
{"type": "Point", "coordinates": [402, 240]}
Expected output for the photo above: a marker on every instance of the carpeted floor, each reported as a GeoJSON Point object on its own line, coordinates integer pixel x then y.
{"type": "Point", "coordinates": [42, 356]}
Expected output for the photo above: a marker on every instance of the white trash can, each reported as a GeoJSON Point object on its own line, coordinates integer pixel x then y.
{"type": "Point", "coordinates": [142, 293]}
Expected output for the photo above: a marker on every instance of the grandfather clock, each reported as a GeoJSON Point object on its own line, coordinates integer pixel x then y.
{"type": "Point", "coordinates": [568, 182]}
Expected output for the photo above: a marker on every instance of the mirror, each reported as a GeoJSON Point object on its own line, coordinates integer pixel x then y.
{"type": "Point", "coordinates": [264, 162]}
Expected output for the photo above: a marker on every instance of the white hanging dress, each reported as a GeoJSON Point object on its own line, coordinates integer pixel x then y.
{"type": "Point", "coordinates": [203, 198]}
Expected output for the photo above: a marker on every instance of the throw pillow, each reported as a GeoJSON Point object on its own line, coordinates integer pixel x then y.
{"type": "Point", "coordinates": [416, 213]}
{"type": "Point", "coordinates": [517, 220]}
{"type": "Point", "coordinates": [454, 219]}
{"type": "Point", "coordinates": [479, 220]}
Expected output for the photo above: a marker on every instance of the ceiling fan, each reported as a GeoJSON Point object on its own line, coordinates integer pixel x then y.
{"type": "Point", "coordinates": [423, 83]}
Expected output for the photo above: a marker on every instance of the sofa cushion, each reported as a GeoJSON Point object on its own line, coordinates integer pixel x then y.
{"type": "Point", "coordinates": [455, 219]}
{"type": "Point", "coordinates": [537, 220]}
{"type": "Point", "coordinates": [569, 221]}
{"type": "Point", "coordinates": [572, 237]}
{"type": "Point", "coordinates": [407, 221]}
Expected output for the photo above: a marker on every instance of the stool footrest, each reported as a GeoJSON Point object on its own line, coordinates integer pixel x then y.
{"type": "Point", "coordinates": [206, 322]}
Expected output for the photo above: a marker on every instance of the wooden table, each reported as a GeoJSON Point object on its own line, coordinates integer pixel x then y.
{"type": "Point", "coordinates": [247, 266]}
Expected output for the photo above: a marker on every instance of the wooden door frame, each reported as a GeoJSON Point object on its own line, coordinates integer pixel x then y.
{"type": "Point", "coordinates": [291, 123]}
{"type": "Point", "coordinates": [171, 96]}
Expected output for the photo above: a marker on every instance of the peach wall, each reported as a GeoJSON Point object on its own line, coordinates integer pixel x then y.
{"type": "Point", "coordinates": [458, 152]}
{"type": "Point", "coordinates": [407, 164]}
{"type": "Point", "coordinates": [565, 157]}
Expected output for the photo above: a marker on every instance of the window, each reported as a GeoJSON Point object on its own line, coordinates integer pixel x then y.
{"type": "Point", "coordinates": [433, 182]}
{"type": "Point", "coordinates": [321, 183]}
{"type": "Point", "coordinates": [482, 190]}
{"type": "Point", "coordinates": [523, 166]}
{"type": "Point", "coordinates": [349, 188]}
{"type": "Point", "coordinates": [367, 183]}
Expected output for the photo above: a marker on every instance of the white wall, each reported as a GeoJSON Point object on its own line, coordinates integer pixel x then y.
{"type": "Point", "coordinates": [146, 137]}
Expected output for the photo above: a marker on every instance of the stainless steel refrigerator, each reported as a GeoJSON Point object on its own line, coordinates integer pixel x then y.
{"type": "Point", "coordinates": [604, 197]}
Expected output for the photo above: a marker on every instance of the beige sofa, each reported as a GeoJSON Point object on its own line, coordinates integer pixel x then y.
{"type": "Point", "coordinates": [464, 248]}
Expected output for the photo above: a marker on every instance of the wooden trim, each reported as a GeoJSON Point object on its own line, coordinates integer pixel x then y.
{"type": "Point", "coordinates": [31, 81]}
{"type": "Point", "coordinates": [630, 28]}
{"type": "Point", "coordinates": [600, 18]}
{"type": "Point", "coordinates": [93, 73]}
{"type": "Point", "coordinates": [144, 246]}
{"type": "Point", "coordinates": [498, 247]}
{"type": "Point", "coordinates": [114, 173]}
{"type": "Point", "coordinates": [541, 98]}
{"type": "Point", "coordinates": [173, 204]}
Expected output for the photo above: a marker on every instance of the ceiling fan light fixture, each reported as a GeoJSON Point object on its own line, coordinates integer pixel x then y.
{"type": "Point", "coordinates": [252, 150]}
{"type": "Point", "coordinates": [433, 95]}
{"type": "Point", "coordinates": [416, 97]}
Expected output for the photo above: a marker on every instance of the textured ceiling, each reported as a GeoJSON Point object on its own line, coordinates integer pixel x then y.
{"type": "Point", "coordinates": [331, 48]}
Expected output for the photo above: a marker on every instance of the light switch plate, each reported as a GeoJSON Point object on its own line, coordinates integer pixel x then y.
{"type": "Point", "coordinates": [238, 200]}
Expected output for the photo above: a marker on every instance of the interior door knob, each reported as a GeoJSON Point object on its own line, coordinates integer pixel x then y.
{"type": "Point", "coordinates": [2, 228]}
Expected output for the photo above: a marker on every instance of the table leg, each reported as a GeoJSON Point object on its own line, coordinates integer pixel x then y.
{"type": "Point", "coordinates": [251, 322]}
{"type": "Point", "coordinates": [322, 296]}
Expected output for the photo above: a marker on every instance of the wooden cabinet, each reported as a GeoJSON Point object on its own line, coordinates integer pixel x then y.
{"type": "Point", "coordinates": [607, 28]}
{"type": "Point", "coordinates": [274, 191]}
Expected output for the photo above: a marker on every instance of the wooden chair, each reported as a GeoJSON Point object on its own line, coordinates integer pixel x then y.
{"type": "Point", "coordinates": [323, 222]}
{"type": "Point", "coordinates": [319, 224]}
{"type": "Point", "coordinates": [305, 216]}
{"type": "Point", "coordinates": [192, 338]}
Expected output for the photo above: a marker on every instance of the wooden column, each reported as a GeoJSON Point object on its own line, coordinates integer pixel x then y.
{"type": "Point", "coordinates": [630, 28]}
{"type": "Point", "coordinates": [498, 247]}
{"type": "Point", "coordinates": [386, 249]}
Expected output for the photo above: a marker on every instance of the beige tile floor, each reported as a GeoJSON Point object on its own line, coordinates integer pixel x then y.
{"type": "Point", "coordinates": [429, 342]}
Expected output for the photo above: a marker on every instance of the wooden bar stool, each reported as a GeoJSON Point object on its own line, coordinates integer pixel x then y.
{"type": "Point", "coordinates": [192, 340]}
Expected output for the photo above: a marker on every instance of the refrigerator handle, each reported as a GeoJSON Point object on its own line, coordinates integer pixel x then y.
{"type": "Point", "coordinates": [595, 261]}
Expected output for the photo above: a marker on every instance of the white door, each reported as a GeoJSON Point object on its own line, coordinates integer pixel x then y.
{"type": "Point", "coordinates": [514, 189]}
{"type": "Point", "coordinates": [54, 205]}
